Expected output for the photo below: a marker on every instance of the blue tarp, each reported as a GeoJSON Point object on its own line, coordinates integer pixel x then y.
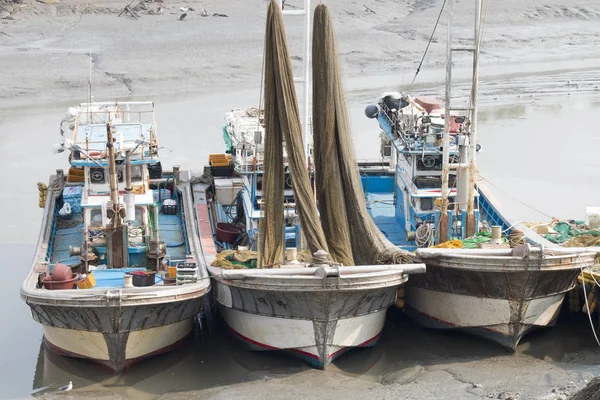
{"type": "Point", "coordinates": [106, 278]}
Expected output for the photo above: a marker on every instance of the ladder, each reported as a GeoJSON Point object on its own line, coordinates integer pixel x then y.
{"type": "Point", "coordinates": [466, 167]}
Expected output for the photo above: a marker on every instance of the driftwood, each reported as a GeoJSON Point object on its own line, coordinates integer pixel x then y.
{"type": "Point", "coordinates": [130, 10]}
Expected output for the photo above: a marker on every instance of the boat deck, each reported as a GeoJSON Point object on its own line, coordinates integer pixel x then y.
{"type": "Point", "coordinates": [382, 211]}
{"type": "Point", "coordinates": [64, 238]}
{"type": "Point", "coordinates": [170, 231]}
{"type": "Point", "coordinates": [69, 232]}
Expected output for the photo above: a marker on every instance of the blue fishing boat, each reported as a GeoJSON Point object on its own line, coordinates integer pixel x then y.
{"type": "Point", "coordinates": [426, 193]}
{"type": "Point", "coordinates": [118, 273]}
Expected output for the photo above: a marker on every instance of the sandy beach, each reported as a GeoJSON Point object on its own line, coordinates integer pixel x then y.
{"type": "Point", "coordinates": [540, 86]}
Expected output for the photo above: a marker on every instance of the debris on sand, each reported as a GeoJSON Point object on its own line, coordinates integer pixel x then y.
{"type": "Point", "coordinates": [4, 13]}
{"type": "Point", "coordinates": [220, 15]}
{"type": "Point", "coordinates": [590, 392]}
{"type": "Point", "coordinates": [367, 9]}
{"type": "Point", "coordinates": [182, 16]}
{"type": "Point", "coordinates": [142, 6]}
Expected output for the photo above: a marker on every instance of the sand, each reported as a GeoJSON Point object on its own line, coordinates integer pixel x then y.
{"type": "Point", "coordinates": [159, 55]}
{"type": "Point", "coordinates": [197, 69]}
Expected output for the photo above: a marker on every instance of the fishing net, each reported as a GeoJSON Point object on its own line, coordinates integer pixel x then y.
{"type": "Point", "coordinates": [282, 122]}
{"type": "Point", "coordinates": [574, 235]}
{"type": "Point", "coordinates": [342, 204]}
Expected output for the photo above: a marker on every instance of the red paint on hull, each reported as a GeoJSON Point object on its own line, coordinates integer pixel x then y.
{"type": "Point", "coordinates": [330, 357]}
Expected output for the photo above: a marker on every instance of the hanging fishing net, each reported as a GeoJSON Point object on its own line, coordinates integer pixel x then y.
{"type": "Point", "coordinates": [282, 123]}
{"type": "Point", "coordinates": [342, 205]}
{"type": "Point", "coordinates": [344, 229]}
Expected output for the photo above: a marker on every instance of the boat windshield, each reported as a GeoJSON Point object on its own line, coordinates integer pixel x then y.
{"type": "Point", "coordinates": [97, 136]}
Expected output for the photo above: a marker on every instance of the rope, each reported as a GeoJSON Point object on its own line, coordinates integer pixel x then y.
{"type": "Point", "coordinates": [425, 235]}
{"type": "Point", "coordinates": [514, 198]}
{"type": "Point", "coordinates": [516, 238]}
{"type": "Point", "coordinates": [587, 306]}
{"type": "Point", "coordinates": [429, 43]}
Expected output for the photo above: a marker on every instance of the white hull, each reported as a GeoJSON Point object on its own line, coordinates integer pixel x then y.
{"type": "Point", "coordinates": [299, 335]}
{"type": "Point", "coordinates": [115, 326]}
{"type": "Point", "coordinates": [491, 318]}
{"type": "Point", "coordinates": [498, 294]}
{"type": "Point", "coordinates": [313, 317]}
{"type": "Point", "coordinates": [95, 346]}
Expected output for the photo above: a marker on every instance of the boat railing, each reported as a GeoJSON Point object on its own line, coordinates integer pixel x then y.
{"type": "Point", "coordinates": [96, 149]}
{"type": "Point", "coordinates": [142, 112]}
{"type": "Point", "coordinates": [392, 117]}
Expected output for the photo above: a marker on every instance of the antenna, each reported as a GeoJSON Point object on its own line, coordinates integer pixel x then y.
{"type": "Point", "coordinates": [90, 88]}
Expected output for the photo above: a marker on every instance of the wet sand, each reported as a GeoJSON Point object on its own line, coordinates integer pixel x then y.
{"type": "Point", "coordinates": [539, 95]}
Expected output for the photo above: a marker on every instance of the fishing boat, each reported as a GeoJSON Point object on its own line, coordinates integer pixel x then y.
{"type": "Point", "coordinates": [118, 273]}
{"type": "Point", "coordinates": [304, 305]}
{"type": "Point", "coordinates": [426, 192]}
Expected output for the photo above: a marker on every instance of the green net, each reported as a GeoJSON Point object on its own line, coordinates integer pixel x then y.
{"type": "Point", "coordinates": [480, 237]}
{"type": "Point", "coordinates": [574, 237]}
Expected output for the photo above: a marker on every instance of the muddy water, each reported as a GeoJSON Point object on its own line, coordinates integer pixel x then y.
{"type": "Point", "coordinates": [541, 149]}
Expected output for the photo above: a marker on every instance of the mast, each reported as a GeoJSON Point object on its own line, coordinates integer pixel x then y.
{"type": "Point", "coordinates": [90, 89]}
{"type": "Point", "coordinates": [471, 226]}
{"type": "Point", "coordinates": [116, 240]}
{"type": "Point", "coordinates": [443, 226]}
{"type": "Point", "coordinates": [305, 78]}
{"type": "Point", "coordinates": [306, 87]}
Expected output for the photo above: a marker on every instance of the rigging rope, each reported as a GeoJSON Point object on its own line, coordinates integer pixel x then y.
{"type": "Point", "coordinates": [514, 198]}
{"type": "Point", "coordinates": [587, 306]}
{"type": "Point", "coordinates": [429, 43]}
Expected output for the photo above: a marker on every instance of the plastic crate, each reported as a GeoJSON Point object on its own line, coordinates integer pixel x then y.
{"type": "Point", "coordinates": [219, 160]}
{"type": "Point", "coordinates": [222, 171]}
{"type": "Point", "coordinates": [88, 282]}
{"type": "Point", "coordinates": [169, 209]}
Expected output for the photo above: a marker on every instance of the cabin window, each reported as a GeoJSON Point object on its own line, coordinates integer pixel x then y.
{"type": "Point", "coordinates": [426, 204]}
{"type": "Point", "coordinates": [136, 173]}
{"type": "Point", "coordinates": [429, 163]}
{"type": "Point", "coordinates": [96, 217]}
{"type": "Point", "coordinates": [387, 151]}
{"type": "Point", "coordinates": [139, 217]}
{"type": "Point", "coordinates": [433, 128]}
{"type": "Point", "coordinates": [259, 182]}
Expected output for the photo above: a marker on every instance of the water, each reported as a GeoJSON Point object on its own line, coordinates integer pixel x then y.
{"type": "Point", "coordinates": [543, 154]}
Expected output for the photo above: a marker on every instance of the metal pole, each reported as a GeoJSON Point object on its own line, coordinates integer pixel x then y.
{"type": "Point", "coordinates": [473, 142]}
{"type": "Point", "coordinates": [305, 78]}
{"type": "Point", "coordinates": [115, 242]}
{"type": "Point", "coordinates": [328, 271]}
{"type": "Point", "coordinates": [306, 74]}
{"type": "Point", "coordinates": [443, 224]}
{"type": "Point", "coordinates": [112, 171]}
